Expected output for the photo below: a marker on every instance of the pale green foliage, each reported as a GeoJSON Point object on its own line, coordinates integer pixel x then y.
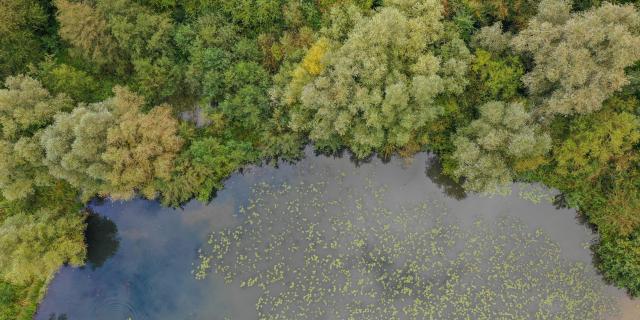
{"type": "Point", "coordinates": [129, 39]}
{"type": "Point", "coordinates": [74, 145]}
{"type": "Point", "coordinates": [25, 108]}
{"type": "Point", "coordinates": [380, 79]}
{"type": "Point", "coordinates": [579, 58]}
{"type": "Point", "coordinates": [87, 30]}
{"type": "Point", "coordinates": [110, 147]}
{"type": "Point", "coordinates": [494, 147]}
{"type": "Point", "coordinates": [111, 28]}
{"type": "Point", "coordinates": [35, 245]}
{"type": "Point", "coordinates": [139, 32]}
{"type": "Point", "coordinates": [492, 39]}
{"type": "Point", "coordinates": [25, 105]}
{"type": "Point", "coordinates": [140, 148]}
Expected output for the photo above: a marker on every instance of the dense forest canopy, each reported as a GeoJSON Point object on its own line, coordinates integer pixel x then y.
{"type": "Point", "coordinates": [166, 99]}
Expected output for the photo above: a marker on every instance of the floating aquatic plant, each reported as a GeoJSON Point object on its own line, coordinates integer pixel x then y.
{"type": "Point", "coordinates": [341, 250]}
{"type": "Point", "coordinates": [535, 193]}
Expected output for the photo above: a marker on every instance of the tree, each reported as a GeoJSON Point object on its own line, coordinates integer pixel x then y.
{"type": "Point", "coordinates": [619, 216]}
{"type": "Point", "coordinates": [494, 148]}
{"type": "Point", "coordinates": [22, 23]}
{"type": "Point", "coordinates": [492, 39]}
{"type": "Point", "coordinates": [74, 145]}
{"type": "Point", "coordinates": [127, 38]}
{"type": "Point", "coordinates": [202, 167]}
{"type": "Point", "coordinates": [246, 104]}
{"type": "Point", "coordinates": [36, 244]}
{"type": "Point", "coordinates": [209, 43]}
{"type": "Point", "coordinates": [372, 83]}
{"type": "Point", "coordinates": [619, 261]}
{"type": "Point", "coordinates": [138, 31]}
{"type": "Point", "coordinates": [596, 143]}
{"type": "Point", "coordinates": [25, 109]}
{"type": "Point", "coordinates": [580, 59]}
{"type": "Point", "coordinates": [494, 78]}
{"type": "Point", "coordinates": [87, 30]}
{"type": "Point", "coordinates": [140, 148]}
{"type": "Point", "coordinates": [72, 81]}
{"type": "Point", "coordinates": [160, 80]}
{"type": "Point", "coordinates": [110, 147]}
{"type": "Point", "coordinates": [514, 13]}
{"type": "Point", "coordinates": [598, 154]}
{"type": "Point", "coordinates": [251, 14]}
{"type": "Point", "coordinates": [215, 48]}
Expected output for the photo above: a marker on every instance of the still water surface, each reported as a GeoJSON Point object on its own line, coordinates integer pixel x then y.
{"type": "Point", "coordinates": [142, 256]}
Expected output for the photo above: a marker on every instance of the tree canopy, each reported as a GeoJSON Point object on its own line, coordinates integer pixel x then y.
{"type": "Point", "coordinates": [580, 58]}
{"type": "Point", "coordinates": [25, 109]}
{"type": "Point", "coordinates": [111, 147]}
{"type": "Point", "coordinates": [495, 147]}
{"type": "Point", "coordinates": [38, 243]}
{"type": "Point", "coordinates": [372, 83]}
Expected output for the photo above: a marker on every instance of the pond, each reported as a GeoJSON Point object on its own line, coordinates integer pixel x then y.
{"type": "Point", "coordinates": [329, 238]}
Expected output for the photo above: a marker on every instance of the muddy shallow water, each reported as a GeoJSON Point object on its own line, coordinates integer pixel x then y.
{"type": "Point", "coordinates": [146, 262]}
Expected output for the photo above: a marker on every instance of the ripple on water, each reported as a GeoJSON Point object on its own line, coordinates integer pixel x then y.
{"type": "Point", "coordinates": [116, 308]}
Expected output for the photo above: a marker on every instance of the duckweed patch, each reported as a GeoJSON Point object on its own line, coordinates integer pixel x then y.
{"type": "Point", "coordinates": [535, 193]}
{"type": "Point", "coordinates": [339, 250]}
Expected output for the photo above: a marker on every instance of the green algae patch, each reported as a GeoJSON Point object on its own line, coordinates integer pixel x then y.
{"type": "Point", "coordinates": [343, 249]}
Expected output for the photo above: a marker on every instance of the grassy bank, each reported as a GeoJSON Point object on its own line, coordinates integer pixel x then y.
{"type": "Point", "coordinates": [20, 302]}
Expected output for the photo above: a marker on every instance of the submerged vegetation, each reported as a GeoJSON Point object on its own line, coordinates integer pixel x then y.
{"type": "Point", "coordinates": [95, 94]}
{"type": "Point", "coordinates": [346, 249]}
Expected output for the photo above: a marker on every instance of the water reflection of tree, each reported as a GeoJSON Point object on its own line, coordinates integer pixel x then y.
{"type": "Point", "coordinates": [101, 238]}
{"type": "Point", "coordinates": [53, 316]}
{"type": "Point", "coordinates": [444, 182]}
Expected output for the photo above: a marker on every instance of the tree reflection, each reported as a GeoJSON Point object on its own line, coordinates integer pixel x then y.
{"type": "Point", "coordinates": [53, 316]}
{"type": "Point", "coordinates": [101, 238]}
{"type": "Point", "coordinates": [444, 182]}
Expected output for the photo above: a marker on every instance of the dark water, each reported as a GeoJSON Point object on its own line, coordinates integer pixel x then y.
{"type": "Point", "coordinates": [142, 256]}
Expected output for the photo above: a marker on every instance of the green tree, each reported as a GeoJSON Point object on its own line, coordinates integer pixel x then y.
{"type": "Point", "coordinates": [375, 86]}
{"type": "Point", "coordinates": [137, 30]}
{"type": "Point", "coordinates": [250, 14]}
{"type": "Point", "coordinates": [36, 244]}
{"type": "Point", "coordinates": [494, 78]}
{"type": "Point", "coordinates": [620, 261]}
{"type": "Point", "coordinates": [140, 148]}
{"type": "Point", "coordinates": [619, 216]}
{"type": "Point", "coordinates": [74, 145]}
{"type": "Point", "coordinates": [596, 162]}
{"type": "Point", "coordinates": [25, 109]}
{"type": "Point", "coordinates": [247, 103]}
{"type": "Point", "coordinates": [580, 59]}
{"type": "Point", "coordinates": [129, 40]}
{"type": "Point", "coordinates": [203, 166]}
{"type": "Point", "coordinates": [22, 34]}
{"type": "Point", "coordinates": [110, 147]}
{"type": "Point", "coordinates": [596, 143]}
{"type": "Point", "coordinates": [494, 148]}
{"type": "Point", "coordinates": [88, 31]}
{"type": "Point", "coordinates": [513, 13]}
{"type": "Point", "coordinates": [76, 83]}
